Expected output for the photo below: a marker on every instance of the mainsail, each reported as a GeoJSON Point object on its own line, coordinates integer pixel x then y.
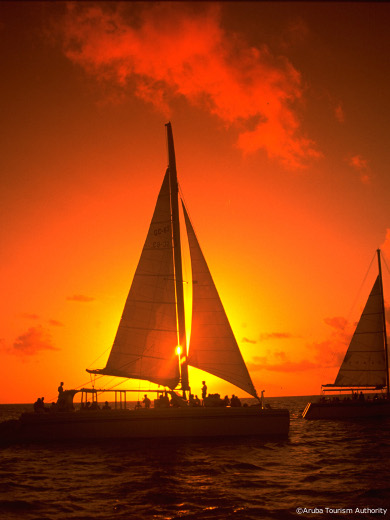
{"type": "Point", "coordinates": [153, 322]}
{"type": "Point", "coordinates": [364, 364]}
{"type": "Point", "coordinates": [213, 347]}
{"type": "Point", "coordinates": [144, 346]}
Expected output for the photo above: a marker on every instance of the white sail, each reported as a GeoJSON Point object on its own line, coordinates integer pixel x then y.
{"type": "Point", "coordinates": [213, 347]}
{"type": "Point", "coordinates": [144, 346]}
{"type": "Point", "coordinates": [153, 324]}
{"type": "Point", "coordinates": [364, 364]}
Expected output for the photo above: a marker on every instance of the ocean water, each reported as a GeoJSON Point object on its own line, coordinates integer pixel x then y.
{"type": "Point", "coordinates": [328, 469]}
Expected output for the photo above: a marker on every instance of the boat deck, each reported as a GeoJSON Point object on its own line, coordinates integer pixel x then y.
{"type": "Point", "coordinates": [185, 422]}
{"type": "Point", "coordinates": [347, 409]}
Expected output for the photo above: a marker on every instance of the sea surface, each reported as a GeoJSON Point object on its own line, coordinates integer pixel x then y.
{"type": "Point", "coordinates": [329, 469]}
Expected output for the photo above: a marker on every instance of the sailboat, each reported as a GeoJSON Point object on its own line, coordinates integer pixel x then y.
{"type": "Point", "coordinates": [151, 345]}
{"type": "Point", "coordinates": [364, 373]}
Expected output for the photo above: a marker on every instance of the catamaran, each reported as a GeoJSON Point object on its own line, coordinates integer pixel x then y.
{"type": "Point", "coordinates": [364, 373]}
{"type": "Point", "coordinates": [151, 345]}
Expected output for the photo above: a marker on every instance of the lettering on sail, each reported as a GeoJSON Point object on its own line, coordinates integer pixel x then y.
{"type": "Point", "coordinates": [158, 232]}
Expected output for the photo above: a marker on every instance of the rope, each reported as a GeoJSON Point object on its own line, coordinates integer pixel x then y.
{"type": "Point", "coordinates": [101, 355]}
{"type": "Point", "coordinates": [384, 262]}
{"type": "Point", "coordinates": [360, 288]}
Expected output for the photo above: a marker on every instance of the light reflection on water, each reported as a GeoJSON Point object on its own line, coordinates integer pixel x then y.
{"type": "Point", "coordinates": [322, 464]}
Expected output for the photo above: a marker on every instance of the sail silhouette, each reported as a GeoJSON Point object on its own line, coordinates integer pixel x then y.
{"type": "Point", "coordinates": [213, 346]}
{"type": "Point", "coordinates": [365, 367]}
{"type": "Point", "coordinates": [152, 323]}
{"type": "Point", "coordinates": [364, 364]}
{"type": "Point", "coordinates": [145, 347]}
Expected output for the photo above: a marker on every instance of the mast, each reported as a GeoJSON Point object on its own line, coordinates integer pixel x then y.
{"type": "Point", "coordinates": [384, 321]}
{"type": "Point", "coordinates": [177, 257]}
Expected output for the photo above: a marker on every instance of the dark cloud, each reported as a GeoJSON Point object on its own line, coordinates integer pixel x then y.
{"type": "Point", "coordinates": [30, 316]}
{"type": "Point", "coordinates": [268, 336]}
{"type": "Point", "coordinates": [262, 363]}
{"type": "Point", "coordinates": [247, 340]}
{"type": "Point", "coordinates": [324, 354]}
{"type": "Point", "coordinates": [34, 340]}
{"type": "Point", "coordinates": [338, 323]}
{"type": "Point", "coordinates": [56, 323]}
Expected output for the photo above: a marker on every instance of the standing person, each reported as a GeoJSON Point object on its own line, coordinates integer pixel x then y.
{"type": "Point", "coordinates": [146, 400]}
{"type": "Point", "coordinates": [61, 400]}
{"type": "Point", "coordinates": [60, 389]}
{"type": "Point", "coordinates": [204, 391]}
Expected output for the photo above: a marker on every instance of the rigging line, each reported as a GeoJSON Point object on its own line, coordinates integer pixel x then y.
{"type": "Point", "coordinates": [185, 204]}
{"type": "Point", "coordinates": [384, 261]}
{"type": "Point", "coordinates": [82, 385]}
{"type": "Point", "coordinates": [114, 386]}
{"type": "Point", "coordinates": [102, 354]}
{"type": "Point", "coordinates": [186, 257]}
{"type": "Point", "coordinates": [348, 338]}
{"type": "Point", "coordinates": [360, 289]}
{"type": "Point", "coordinates": [108, 382]}
{"type": "Point", "coordinates": [189, 218]}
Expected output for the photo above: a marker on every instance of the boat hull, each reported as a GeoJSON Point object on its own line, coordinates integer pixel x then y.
{"type": "Point", "coordinates": [347, 409]}
{"type": "Point", "coordinates": [148, 424]}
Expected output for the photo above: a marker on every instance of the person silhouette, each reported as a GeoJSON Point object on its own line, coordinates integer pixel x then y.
{"type": "Point", "coordinates": [146, 401]}
{"type": "Point", "coordinates": [204, 391]}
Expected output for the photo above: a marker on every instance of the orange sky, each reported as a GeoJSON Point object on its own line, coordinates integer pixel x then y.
{"type": "Point", "coordinates": [280, 117]}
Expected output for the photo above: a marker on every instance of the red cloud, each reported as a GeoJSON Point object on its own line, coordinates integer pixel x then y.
{"type": "Point", "coordinates": [32, 341]}
{"type": "Point", "coordinates": [338, 323]}
{"type": "Point", "coordinates": [164, 51]}
{"type": "Point", "coordinates": [339, 113]}
{"type": "Point", "coordinates": [361, 164]}
{"type": "Point", "coordinates": [262, 363]}
{"type": "Point", "coordinates": [30, 316]}
{"type": "Point", "coordinates": [247, 340]}
{"type": "Point", "coordinates": [56, 323]}
{"type": "Point", "coordinates": [325, 354]}
{"type": "Point", "coordinates": [358, 162]}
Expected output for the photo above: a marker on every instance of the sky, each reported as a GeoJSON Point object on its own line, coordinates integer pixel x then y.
{"type": "Point", "coordinates": [280, 114]}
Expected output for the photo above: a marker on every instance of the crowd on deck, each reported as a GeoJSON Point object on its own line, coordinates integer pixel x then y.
{"type": "Point", "coordinates": [356, 396]}
{"type": "Point", "coordinates": [163, 401]}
